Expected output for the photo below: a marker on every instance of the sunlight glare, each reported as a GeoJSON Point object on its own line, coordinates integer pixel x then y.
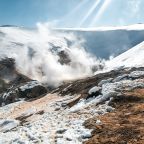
{"type": "Point", "coordinates": [101, 11]}
{"type": "Point", "coordinates": [89, 12]}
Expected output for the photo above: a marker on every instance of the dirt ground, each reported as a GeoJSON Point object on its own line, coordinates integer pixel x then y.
{"type": "Point", "coordinates": [125, 125]}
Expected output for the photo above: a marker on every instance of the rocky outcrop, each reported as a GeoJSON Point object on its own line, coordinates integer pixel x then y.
{"type": "Point", "coordinates": [106, 108]}
{"type": "Point", "coordinates": [64, 58]}
{"type": "Point", "coordinates": [81, 87]}
{"type": "Point", "coordinates": [14, 85]}
{"type": "Point", "coordinates": [26, 91]}
{"type": "Point", "coordinates": [31, 89]}
{"type": "Point", "coordinates": [9, 74]}
{"type": "Point", "coordinates": [117, 100]}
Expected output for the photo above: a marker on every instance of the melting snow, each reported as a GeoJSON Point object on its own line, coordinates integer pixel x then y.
{"type": "Point", "coordinates": [6, 124]}
{"type": "Point", "coordinates": [59, 127]}
{"type": "Point", "coordinates": [65, 126]}
{"type": "Point", "coordinates": [134, 57]}
{"type": "Point", "coordinates": [94, 90]}
{"type": "Point", "coordinates": [29, 85]}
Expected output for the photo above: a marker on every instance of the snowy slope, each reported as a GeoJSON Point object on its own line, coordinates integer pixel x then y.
{"type": "Point", "coordinates": [134, 57]}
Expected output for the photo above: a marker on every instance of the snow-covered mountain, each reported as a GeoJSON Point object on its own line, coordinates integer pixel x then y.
{"type": "Point", "coordinates": [103, 108]}
{"type": "Point", "coordinates": [109, 41]}
{"type": "Point", "coordinates": [134, 57]}
{"type": "Point", "coordinates": [102, 42]}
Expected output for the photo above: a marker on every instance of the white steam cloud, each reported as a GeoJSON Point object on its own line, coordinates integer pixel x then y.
{"type": "Point", "coordinates": [47, 55]}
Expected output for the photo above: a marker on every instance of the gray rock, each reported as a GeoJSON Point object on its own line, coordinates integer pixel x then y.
{"type": "Point", "coordinates": [64, 104]}
{"type": "Point", "coordinates": [27, 90]}
{"type": "Point", "coordinates": [86, 135]}
{"type": "Point", "coordinates": [60, 131]}
{"type": "Point", "coordinates": [68, 139]}
{"type": "Point", "coordinates": [109, 109]}
{"type": "Point", "coordinates": [59, 136]}
{"type": "Point", "coordinates": [136, 74]}
{"type": "Point", "coordinates": [122, 77]}
{"type": "Point", "coordinates": [8, 124]}
{"type": "Point", "coordinates": [105, 81]}
{"type": "Point", "coordinates": [94, 90]}
{"type": "Point", "coordinates": [57, 108]}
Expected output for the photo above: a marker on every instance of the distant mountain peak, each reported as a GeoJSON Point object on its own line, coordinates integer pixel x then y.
{"type": "Point", "coordinates": [8, 26]}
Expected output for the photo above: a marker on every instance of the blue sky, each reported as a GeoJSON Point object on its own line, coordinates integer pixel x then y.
{"type": "Point", "coordinates": [71, 13]}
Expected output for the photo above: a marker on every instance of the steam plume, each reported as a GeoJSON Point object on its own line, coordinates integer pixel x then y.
{"type": "Point", "coordinates": [47, 55]}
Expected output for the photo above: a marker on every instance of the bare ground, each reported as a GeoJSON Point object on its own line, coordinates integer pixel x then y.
{"type": "Point", "coordinates": [125, 125]}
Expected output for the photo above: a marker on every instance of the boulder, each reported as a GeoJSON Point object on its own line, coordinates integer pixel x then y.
{"type": "Point", "coordinates": [31, 89]}
{"type": "Point", "coordinates": [14, 85]}
{"type": "Point", "coordinates": [27, 91]}
{"type": "Point", "coordinates": [93, 92]}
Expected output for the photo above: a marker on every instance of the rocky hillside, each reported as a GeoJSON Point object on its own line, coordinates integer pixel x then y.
{"type": "Point", "coordinates": [15, 86]}
{"type": "Point", "coordinates": [105, 108]}
{"type": "Point", "coordinates": [75, 98]}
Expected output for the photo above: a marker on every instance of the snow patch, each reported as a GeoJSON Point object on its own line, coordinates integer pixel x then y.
{"type": "Point", "coordinates": [94, 90]}
{"type": "Point", "coordinates": [7, 124]}
{"type": "Point", "coordinates": [134, 57]}
{"type": "Point", "coordinates": [29, 85]}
